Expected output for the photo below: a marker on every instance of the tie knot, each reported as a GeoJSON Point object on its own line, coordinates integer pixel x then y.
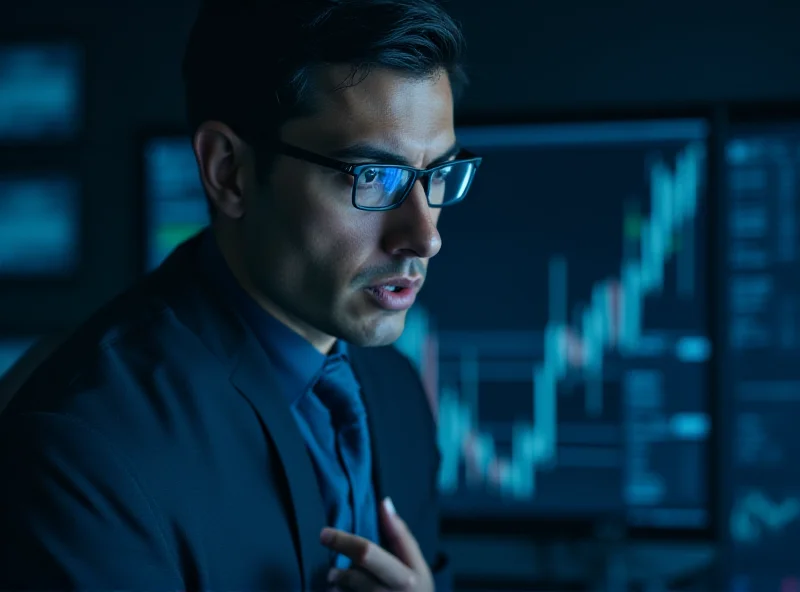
{"type": "Point", "coordinates": [338, 389]}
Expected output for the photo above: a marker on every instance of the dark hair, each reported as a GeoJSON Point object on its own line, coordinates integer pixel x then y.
{"type": "Point", "coordinates": [249, 63]}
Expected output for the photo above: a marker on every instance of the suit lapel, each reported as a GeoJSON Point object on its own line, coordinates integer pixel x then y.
{"type": "Point", "coordinates": [253, 378]}
{"type": "Point", "coordinates": [403, 443]}
{"type": "Point", "coordinates": [199, 307]}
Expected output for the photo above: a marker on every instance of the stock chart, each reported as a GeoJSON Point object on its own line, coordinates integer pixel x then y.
{"type": "Point", "coordinates": [562, 330]}
{"type": "Point", "coordinates": [761, 382]}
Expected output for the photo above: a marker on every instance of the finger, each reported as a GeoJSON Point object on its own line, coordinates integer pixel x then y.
{"type": "Point", "coordinates": [402, 542]}
{"type": "Point", "coordinates": [365, 554]}
{"type": "Point", "coordinates": [353, 546]}
{"type": "Point", "coordinates": [356, 581]}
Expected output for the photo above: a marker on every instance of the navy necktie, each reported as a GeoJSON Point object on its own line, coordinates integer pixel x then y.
{"type": "Point", "coordinates": [338, 389]}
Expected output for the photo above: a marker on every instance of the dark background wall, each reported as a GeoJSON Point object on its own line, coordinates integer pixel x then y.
{"type": "Point", "coordinates": [524, 57]}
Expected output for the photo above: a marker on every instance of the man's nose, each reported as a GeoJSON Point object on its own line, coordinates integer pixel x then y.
{"type": "Point", "coordinates": [412, 230]}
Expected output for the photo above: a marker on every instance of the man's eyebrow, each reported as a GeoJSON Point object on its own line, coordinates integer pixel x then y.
{"type": "Point", "coordinates": [365, 152]}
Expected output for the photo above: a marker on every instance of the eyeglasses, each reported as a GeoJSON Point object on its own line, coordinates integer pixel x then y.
{"type": "Point", "coordinates": [381, 187]}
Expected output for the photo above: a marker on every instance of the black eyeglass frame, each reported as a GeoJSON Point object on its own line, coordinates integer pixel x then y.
{"type": "Point", "coordinates": [355, 170]}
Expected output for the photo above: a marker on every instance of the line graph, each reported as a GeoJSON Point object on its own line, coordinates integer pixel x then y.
{"type": "Point", "coordinates": [755, 516]}
{"type": "Point", "coordinates": [583, 344]}
{"type": "Point", "coordinates": [612, 319]}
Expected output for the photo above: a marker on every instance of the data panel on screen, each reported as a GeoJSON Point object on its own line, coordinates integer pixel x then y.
{"type": "Point", "coordinates": [40, 226]}
{"type": "Point", "coordinates": [761, 381]}
{"type": "Point", "coordinates": [176, 206]}
{"type": "Point", "coordinates": [41, 89]}
{"type": "Point", "coordinates": [562, 332]}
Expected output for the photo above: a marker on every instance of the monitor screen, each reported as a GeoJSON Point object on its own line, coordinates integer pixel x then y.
{"type": "Point", "coordinates": [562, 332]}
{"type": "Point", "coordinates": [761, 381]}
{"type": "Point", "coordinates": [12, 350]}
{"type": "Point", "coordinates": [39, 225]}
{"type": "Point", "coordinates": [40, 92]}
{"type": "Point", "coordinates": [176, 206]}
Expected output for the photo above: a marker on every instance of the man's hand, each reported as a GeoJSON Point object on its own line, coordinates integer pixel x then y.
{"type": "Point", "coordinates": [375, 569]}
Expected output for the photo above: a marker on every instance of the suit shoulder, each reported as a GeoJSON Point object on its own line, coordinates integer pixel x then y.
{"type": "Point", "coordinates": [134, 374]}
{"type": "Point", "coordinates": [82, 360]}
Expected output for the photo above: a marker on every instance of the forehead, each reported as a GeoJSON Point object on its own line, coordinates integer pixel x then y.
{"type": "Point", "coordinates": [410, 115]}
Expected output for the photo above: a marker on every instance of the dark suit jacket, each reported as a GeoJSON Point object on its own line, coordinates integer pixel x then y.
{"type": "Point", "coordinates": [153, 451]}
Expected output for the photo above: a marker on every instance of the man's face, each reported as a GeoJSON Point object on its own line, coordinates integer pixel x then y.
{"type": "Point", "coordinates": [313, 255]}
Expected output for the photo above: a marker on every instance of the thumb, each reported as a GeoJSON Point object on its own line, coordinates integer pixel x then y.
{"type": "Point", "coordinates": [402, 542]}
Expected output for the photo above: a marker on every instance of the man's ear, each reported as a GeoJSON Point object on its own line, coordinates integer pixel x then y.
{"type": "Point", "coordinates": [221, 156]}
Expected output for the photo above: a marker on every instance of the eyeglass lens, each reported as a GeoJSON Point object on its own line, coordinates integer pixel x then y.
{"type": "Point", "coordinates": [383, 186]}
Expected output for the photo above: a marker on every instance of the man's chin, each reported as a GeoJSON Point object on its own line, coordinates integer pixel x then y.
{"type": "Point", "coordinates": [378, 331]}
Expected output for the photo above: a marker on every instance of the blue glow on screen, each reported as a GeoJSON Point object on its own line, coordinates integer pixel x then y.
{"type": "Point", "coordinates": [39, 226]}
{"type": "Point", "coordinates": [590, 373]}
{"type": "Point", "coordinates": [40, 91]}
{"type": "Point", "coordinates": [176, 204]}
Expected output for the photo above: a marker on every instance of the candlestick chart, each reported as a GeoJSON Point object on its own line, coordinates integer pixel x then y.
{"type": "Point", "coordinates": [563, 344]}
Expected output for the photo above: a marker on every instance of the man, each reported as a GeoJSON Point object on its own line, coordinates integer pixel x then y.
{"type": "Point", "coordinates": [237, 421]}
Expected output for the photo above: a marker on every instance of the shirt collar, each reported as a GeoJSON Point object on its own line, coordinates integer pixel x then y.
{"type": "Point", "coordinates": [297, 362]}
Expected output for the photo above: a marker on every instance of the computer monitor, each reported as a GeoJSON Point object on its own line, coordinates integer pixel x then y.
{"type": "Point", "coordinates": [175, 205]}
{"type": "Point", "coordinates": [40, 225]}
{"type": "Point", "coordinates": [563, 326]}
{"type": "Point", "coordinates": [760, 384]}
{"type": "Point", "coordinates": [41, 92]}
